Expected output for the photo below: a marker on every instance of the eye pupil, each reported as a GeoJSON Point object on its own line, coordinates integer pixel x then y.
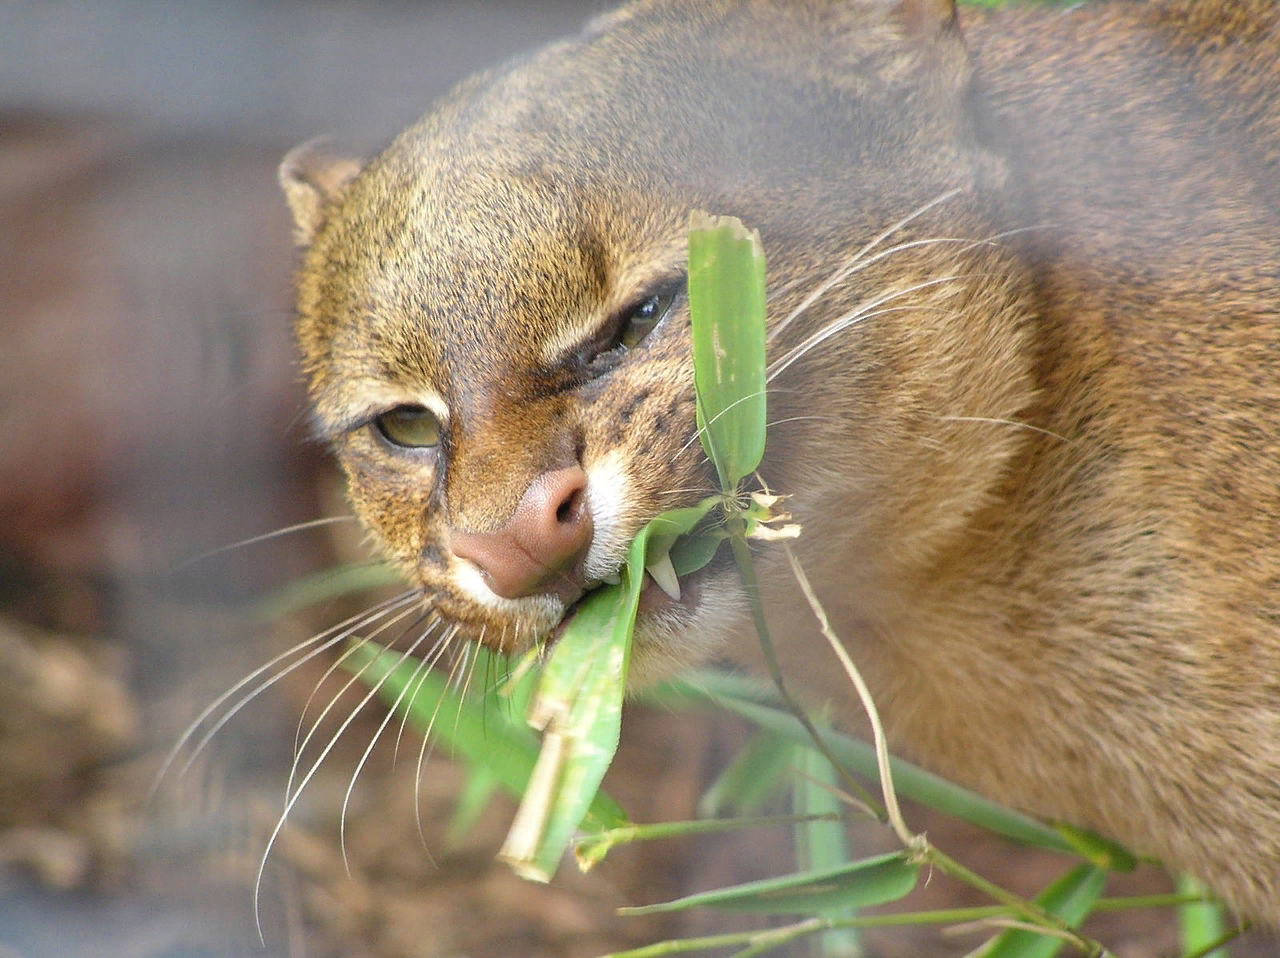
{"type": "Point", "coordinates": [642, 320]}
{"type": "Point", "coordinates": [411, 426]}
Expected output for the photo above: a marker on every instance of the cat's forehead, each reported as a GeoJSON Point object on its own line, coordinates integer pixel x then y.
{"type": "Point", "coordinates": [481, 269]}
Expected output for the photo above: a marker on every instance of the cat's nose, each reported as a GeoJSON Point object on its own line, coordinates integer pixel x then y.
{"type": "Point", "coordinates": [540, 549]}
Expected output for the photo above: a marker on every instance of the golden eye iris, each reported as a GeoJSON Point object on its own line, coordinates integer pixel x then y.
{"type": "Point", "coordinates": [411, 426]}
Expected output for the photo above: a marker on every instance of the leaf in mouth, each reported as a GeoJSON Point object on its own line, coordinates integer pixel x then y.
{"type": "Point", "coordinates": [578, 705]}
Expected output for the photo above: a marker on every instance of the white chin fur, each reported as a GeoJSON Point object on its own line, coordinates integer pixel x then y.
{"type": "Point", "coordinates": [607, 492]}
{"type": "Point", "coordinates": [669, 642]}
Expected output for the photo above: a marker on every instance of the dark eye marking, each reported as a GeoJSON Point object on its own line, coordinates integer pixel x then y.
{"type": "Point", "coordinates": [627, 329]}
{"type": "Point", "coordinates": [410, 427]}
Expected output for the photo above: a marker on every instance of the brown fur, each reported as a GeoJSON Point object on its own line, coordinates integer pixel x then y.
{"type": "Point", "coordinates": [1039, 481]}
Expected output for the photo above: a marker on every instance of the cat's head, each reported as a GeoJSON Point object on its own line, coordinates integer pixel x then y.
{"type": "Point", "coordinates": [496, 334]}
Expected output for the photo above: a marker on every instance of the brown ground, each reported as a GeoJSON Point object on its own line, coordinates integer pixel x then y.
{"type": "Point", "coordinates": [147, 413]}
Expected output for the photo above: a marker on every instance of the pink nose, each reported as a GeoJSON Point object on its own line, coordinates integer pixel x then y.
{"type": "Point", "coordinates": [540, 549]}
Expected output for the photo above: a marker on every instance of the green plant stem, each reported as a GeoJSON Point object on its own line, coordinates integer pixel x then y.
{"type": "Point", "coordinates": [770, 940]}
{"type": "Point", "coordinates": [883, 770]}
{"type": "Point", "coordinates": [1021, 908]}
{"type": "Point", "coordinates": [678, 946]}
{"type": "Point", "coordinates": [746, 569]}
{"type": "Point", "coordinates": [1170, 900]}
{"type": "Point", "coordinates": [942, 916]}
{"type": "Point", "coordinates": [637, 833]}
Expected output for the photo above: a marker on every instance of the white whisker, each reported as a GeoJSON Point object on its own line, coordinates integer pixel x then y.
{"type": "Point", "coordinates": [1007, 422]}
{"type": "Point", "coordinates": [782, 422]}
{"type": "Point", "coordinates": [427, 742]}
{"type": "Point", "coordinates": [460, 666]}
{"type": "Point", "coordinates": [419, 670]}
{"type": "Point", "coordinates": [852, 263]}
{"type": "Point", "coordinates": [855, 316]}
{"type": "Point", "coordinates": [300, 744]}
{"type": "Point", "coordinates": [254, 540]}
{"type": "Point", "coordinates": [324, 640]}
{"type": "Point", "coordinates": [421, 679]}
{"type": "Point", "coordinates": [466, 684]}
{"type": "Point", "coordinates": [698, 432]}
{"type": "Point", "coordinates": [292, 800]}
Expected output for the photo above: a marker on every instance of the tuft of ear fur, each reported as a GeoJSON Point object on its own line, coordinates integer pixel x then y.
{"type": "Point", "coordinates": [926, 18]}
{"type": "Point", "coordinates": [312, 175]}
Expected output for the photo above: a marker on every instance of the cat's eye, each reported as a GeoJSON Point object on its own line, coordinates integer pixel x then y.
{"type": "Point", "coordinates": [413, 427]}
{"type": "Point", "coordinates": [640, 321]}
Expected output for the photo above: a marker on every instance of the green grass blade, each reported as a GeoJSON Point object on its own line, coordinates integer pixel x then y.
{"type": "Point", "coordinates": [727, 306]}
{"type": "Point", "coordinates": [1071, 898]}
{"type": "Point", "coordinates": [872, 881]}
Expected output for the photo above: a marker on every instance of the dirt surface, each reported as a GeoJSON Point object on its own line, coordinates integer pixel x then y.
{"type": "Point", "coordinates": [151, 416]}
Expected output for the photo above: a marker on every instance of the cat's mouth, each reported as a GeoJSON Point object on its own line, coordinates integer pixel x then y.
{"type": "Point", "coordinates": [655, 599]}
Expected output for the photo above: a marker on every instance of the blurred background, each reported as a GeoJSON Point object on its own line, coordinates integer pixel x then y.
{"type": "Point", "coordinates": [150, 416]}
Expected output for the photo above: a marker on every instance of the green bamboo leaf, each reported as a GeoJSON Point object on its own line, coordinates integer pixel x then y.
{"type": "Point", "coordinates": [727, 306]}
{"type": "Point", "coordinates": [477, 790]}
{"type": "Point", "coordinates": [823, 844]}
{"type": "Point", "coordinates": [479, 725]}
{"type": "Point", "coordinates": [872, 881]}
{"type": "Point", "coordinates": [579, 709]}
{"type": "Point", "coordinates": [758, 771]}
{"type": "Point", "coordinates": [663, 532]}
{"type": "Point", "coordinates": [691, 553]}
{"type": "Point", "coordinates": [578, 706]}
{"type": "Point", "coordinates": [1100, 851]}
{"type": "Point", "coordinates": [1202, 923]}
{"type": "Point", "coordinates": [1070, 898]}
{"type": "Point", "coordinates": [755, 701]}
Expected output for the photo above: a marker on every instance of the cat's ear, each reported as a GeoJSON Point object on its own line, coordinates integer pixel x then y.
{"type": "Point", "coordinates": [926, 18]}
{"type": "Point", "coordinates": [312, 175]}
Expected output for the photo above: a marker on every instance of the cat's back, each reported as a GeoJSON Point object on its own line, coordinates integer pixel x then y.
{"type": "Point", "coordinates": [1148, 141]}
